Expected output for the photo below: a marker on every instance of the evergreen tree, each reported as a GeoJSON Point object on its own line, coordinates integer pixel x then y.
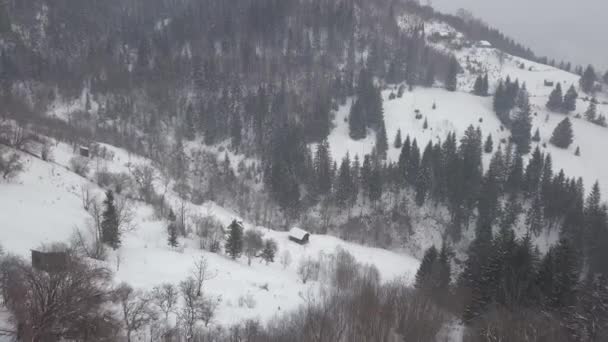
{"type": "Point", "coordinates": [323, 165]}
{"type": "Point", "coordinates": [485, 89]}
{"type": "Point", "coordinates": [562, 135]}
{"type": "Point", "coordinates": [451, 82]}
{"type": "Point", "coordinates": [375, 183]}
{"type": "Point", "coordinates": [5, 18]}
{"type": "Point", "coordinates": [404, 157]}
{"type": "Point", "coordinates": [488, 147]}
{"type": "Point", "coordinates": [536, 136]}
{"type": "Point", "coordinates": [588, 79]}
{"type": "Point", "coordinates": [578, 151]}
{"type": "Point", "coordinates": [591, 113]}
{"type": "Point", "coordinates": [555, 102]}
{"type": "Point", "coordinates": [344, 182]}
{"type": "Point", "coordinates": [110, 222]}
{"type": "Point", "coordinates": [381, 141]}
{"type": "Point", "coordinates": [478, 86]}
{"type": "Point", "coordinates": [172, 230]}
{"type": "Point", "coordinates": [413, 164]}
{"type": "Point", "coordinates": [398, 140]}
{"type": "Point", "coordinates": [356, 121]}
{"type": "Point", "coordinates": [425, 125]}
{"type": "Point", "coordinates": [270, 250]}
{"type": "Point", "coordinates": [569, 103]}
{"type": "Point", "coordinates": [234, 240]}
{"type": "Point", "coordinates": [534, 217]}
{"type": "Point", "coordinates": [425, 270]}
{"type": "Point", "coordinates": [522, 124]}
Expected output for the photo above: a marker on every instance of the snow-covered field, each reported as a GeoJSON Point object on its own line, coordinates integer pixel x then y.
{"type": "Point", "coordinates": [44, 206]}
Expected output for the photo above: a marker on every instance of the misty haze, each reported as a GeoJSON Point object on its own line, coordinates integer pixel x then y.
{"type": "Point", "coordinates": [303, 171]}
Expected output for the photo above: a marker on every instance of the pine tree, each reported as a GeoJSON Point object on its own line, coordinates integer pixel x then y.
{"type": "Point", "coordinates": [485, 89]}
{"type": "Point", "coordinates": [381, 141]}
{"type": "Point", "coordinates": [426, 267]}
{"type": "Point", "coordinates": [451, 82]}
{"type": "Point", "coordinates": [536, 136]}
{"type": "Point", "coordinates": [562, 135]}
{"type": "Point", "coordinates": [398, 140]}
{"type": "Point", "coordinates": [344, 182]}
{"type": "Point", "coordinates": [588, 79]}
{"type": "Point", "coordinates": [270, 250]}
{"type": "Point", "coordinates": [425, 125]}
{"type": "Point", "coordinates": [172, 230]}
{"type": "Point", "coordinates": [413, 164]}
{"type": "Point", "coordinates": [591, 113]}
{"type": "Point", "coordinates": [555, 102]}
{"type": "Point", "coordinates": [478, 86]}
{"type": "Point", "coordinates": [489, 145]}
{"type": "Point", "coordinates": [323, 165]}
{"type": "Point", "coordinates": [234, 240]}
{"type": "Point", "coordinates": [110, 223]}
{"type": "Point", "coordinates": [356, 121]}
{"type": "Point", "coordinates": [569, 103]}
{"type": "Point", "coordinates": [522, 124]}
{"type": "Point", "coordinates": [534, 217]}
{"type": "Point", "coordinates": [578, 151]}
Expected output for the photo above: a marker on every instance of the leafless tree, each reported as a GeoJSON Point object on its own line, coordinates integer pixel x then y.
{"type": "Point", "coordinates": [136, 309]}
{"type": "Point", "coordinates": [57, 305]}
{"type": "Point", "coordinates": [144, 176]}
{"type": "Point", "coordinates": [89, 242]}
{"type": "Point", "coordinates": [285, 258]}
{"type": "Point", "coordinates": [165, 297]}
{"type": "Point", "coordinates": [201, 273]}
{"type": "Point", "coordinates": [308, 269]}
{"type": "Point", "coordinates": [85, 196]}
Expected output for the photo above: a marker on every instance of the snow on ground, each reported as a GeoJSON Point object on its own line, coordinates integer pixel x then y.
{"type": "Point", "coordinates": [43, 206]}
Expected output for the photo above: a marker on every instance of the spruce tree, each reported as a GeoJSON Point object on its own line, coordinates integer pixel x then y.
{"type": "Point", "coordinates": [478, 86]}
{"type": "Point", "coordinates": [323, 165]}
{"type": "Point", "coordinates": [488, 147]}
{"type": "Point", "coordinates": [381, 141]}
{"type": "Point", "coordinates": [569, 103]}
{"type": "Point", "coordinates": [398, 140]}
{"type": "Point", "coordinates": [555, 102]}
{"type": "Point", "coordinates": [344, 182]}
{"type": "Point", "coordinates": [356, 121]}
{"type": "Point", "coordinates": [270, 250]}
{"type": "Point", "coordinates": [522, 124]}
{"type": "Point", "coordinates": [588, 79]}
{"type": "Point", "coordinates": [485, 88]}
{"type": "Point", "coordinates": [413, 163]}
{"type": "Point", "coordinates": [172, 230]}
{"type": "Point", "coordinates": [536, 136]}
{"type": "Point", "coordinates": [234, 240]}
{"type": "Point", "coordinates": [534, 217]}
{"type": "Point", "coordinates": [591, 113]}
{"type": "Point", "coordinates": [562, 135]}
{"type": "Point", "coordinates": [110, 222]}
{"type": "Point", "coordinates": [425, 125]}
{"type": "Point", "coordinates": [451, 82]}
{"type": "Point", "coordinates": [425, 270]}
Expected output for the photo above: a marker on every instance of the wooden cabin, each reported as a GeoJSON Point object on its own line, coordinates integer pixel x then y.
{"type": "Point", "coordinates": [299, 235]}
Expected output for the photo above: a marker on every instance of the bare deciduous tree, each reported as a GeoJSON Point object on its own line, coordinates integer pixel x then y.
{"type": "Point", "coordinates": [136, 309]}
{"type": "Point", "coordinates": [201, 273]}
{"type": "Point", "coordinates": [165, 297]}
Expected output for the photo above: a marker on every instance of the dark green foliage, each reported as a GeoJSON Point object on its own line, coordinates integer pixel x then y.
{"type": "Point", "coordinates": [398, 139]}
{"type": "Point", "coordinates": [536, 136]}
{"type": "Point", "coordinates": [110, 222]}
{"type": "Point", "coordinates": [522, 124]}
{"type": "Point", "coordinates": [234, 240]}
{"type": "Point", "coordinates": [488, 147]}
{"type": "Point", "coordinates": [270, 250]}
{"type": "Point", "coordinates": [569, 103]}
{"type": "Point", "coordinates": [451, 82]}
{"type": "Point", "coordinates": [556, 101]}
{"type": "Point", "coordinates": [172, 231]}
{"type": "Point", "coordinates": [588, 79]}
{"type": "Point", "coordinates": [562, 135]}
{"type": "Point", "coordinates": [591, 112]}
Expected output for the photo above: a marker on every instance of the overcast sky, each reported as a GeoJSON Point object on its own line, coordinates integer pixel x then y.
{"type": "Point", "coordinates": [575, 30]}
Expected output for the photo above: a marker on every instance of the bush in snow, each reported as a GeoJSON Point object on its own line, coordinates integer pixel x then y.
{"type": "Point", "coordinates": [308, 269]}
{"type": "Point", "coordinates": [10, 165]}
{"type": "Point", "coordinates": [80, 165]}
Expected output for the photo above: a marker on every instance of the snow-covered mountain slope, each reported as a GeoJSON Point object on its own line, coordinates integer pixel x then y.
{"type": "Point", "coordinates": [44, 205]}
{"type": "Point", "coordinates": [455, 111]}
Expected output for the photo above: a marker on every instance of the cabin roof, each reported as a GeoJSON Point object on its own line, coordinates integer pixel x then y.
{"type": "Point", "coordinates": [298, 233]}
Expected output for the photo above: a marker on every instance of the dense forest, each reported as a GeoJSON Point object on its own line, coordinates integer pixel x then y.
{"type": "Point", "coordinates": [263, 78]}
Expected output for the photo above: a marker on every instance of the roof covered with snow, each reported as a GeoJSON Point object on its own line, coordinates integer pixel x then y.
{"type": "Point", "coordinates": [298, 233]}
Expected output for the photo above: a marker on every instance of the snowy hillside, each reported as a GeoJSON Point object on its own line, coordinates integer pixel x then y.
{"type": "Point", "coordinates": [44, 205]}
{"type": "Point", "coordinates": [455, 111]}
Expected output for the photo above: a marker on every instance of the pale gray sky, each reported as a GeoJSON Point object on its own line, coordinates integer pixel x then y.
{"type": "Point", "coordinates": [561, 29]}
